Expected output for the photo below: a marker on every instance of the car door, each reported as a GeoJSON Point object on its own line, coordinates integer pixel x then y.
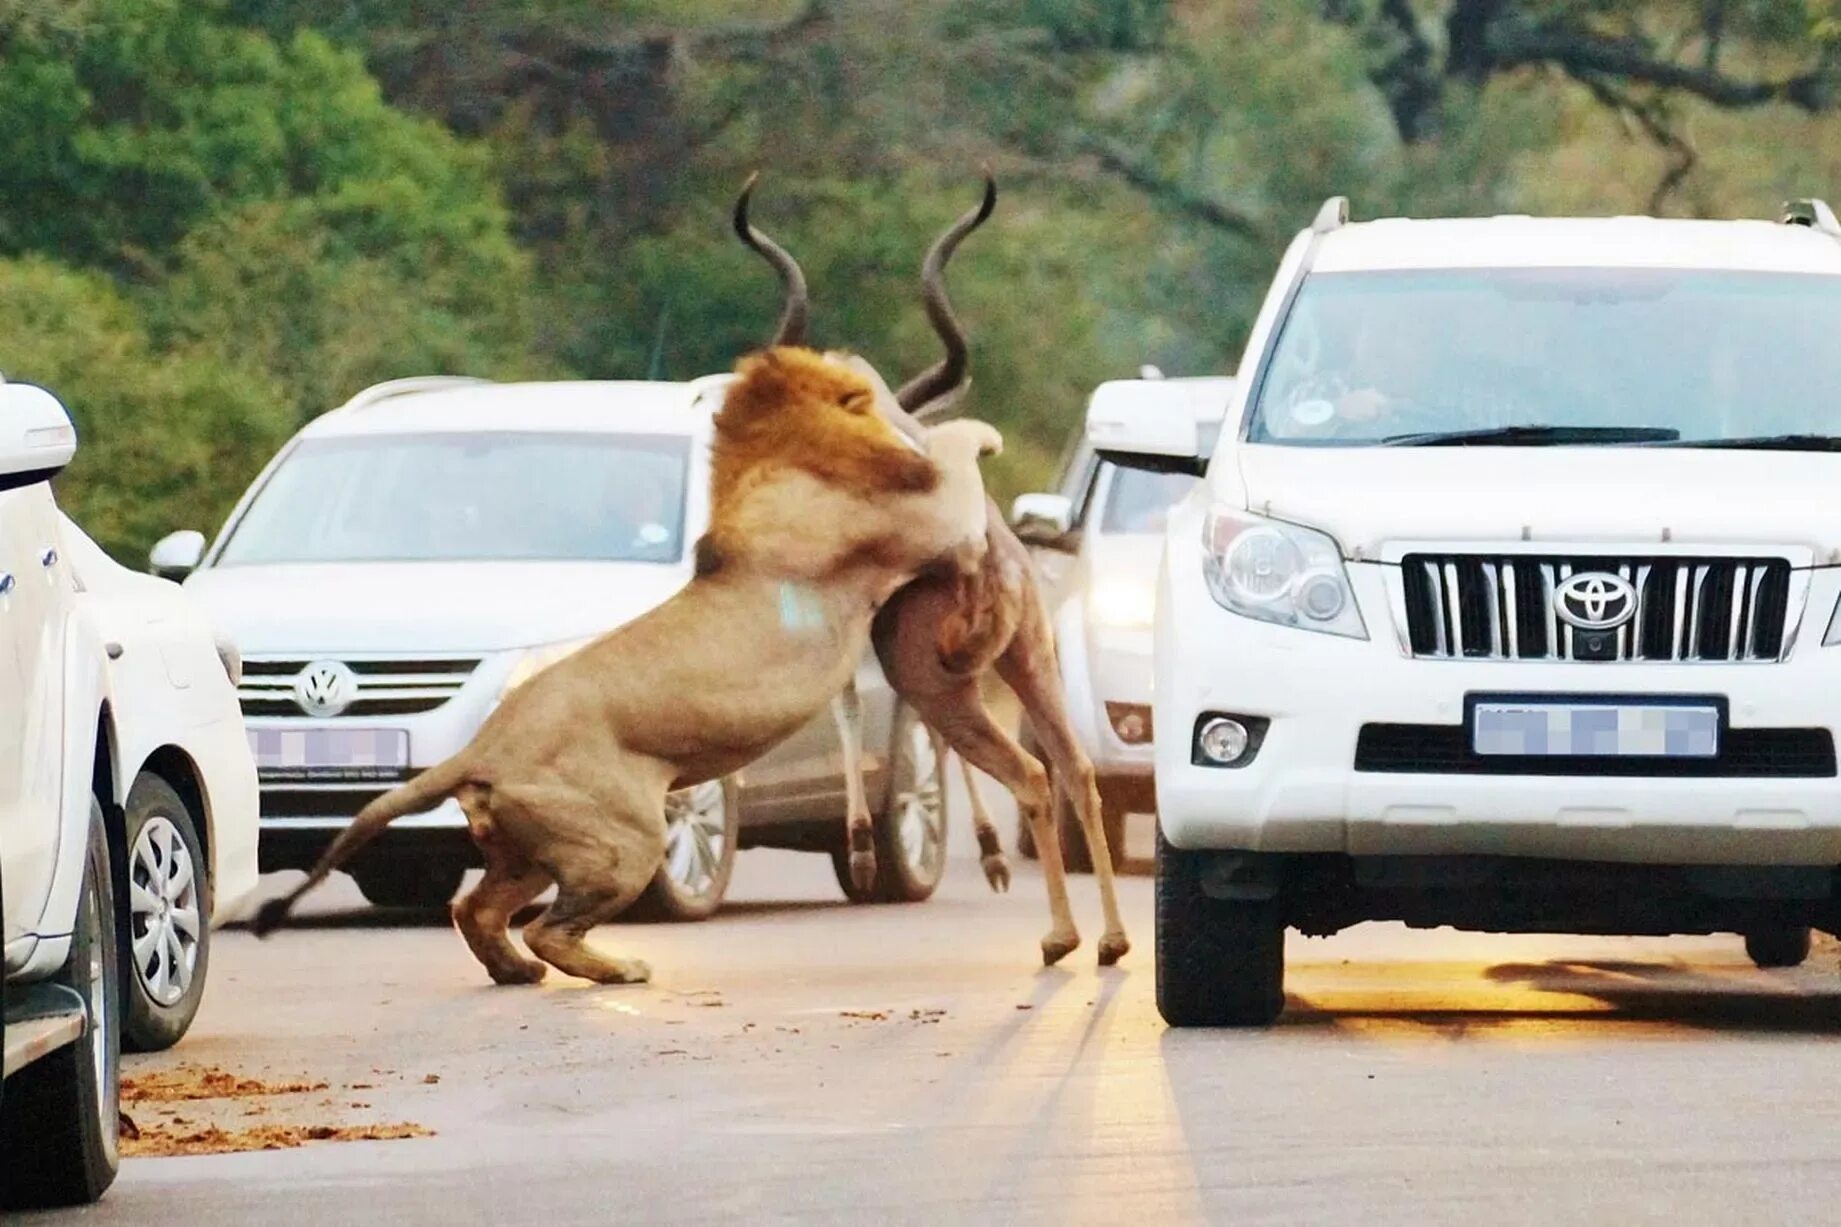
{"type": "Point", "coordinates": [31, 678]}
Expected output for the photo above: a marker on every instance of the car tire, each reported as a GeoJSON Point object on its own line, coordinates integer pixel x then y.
{"type": "Point", "coordinates": [1026, 834]}
{"type": "Point", "coordinates": [1220, 962]}
{"type": "Point", "coordinates": [61, 1120]}
{"type": "Point", "coordinates": [1780, 946]}
{"type": "Point", "coordinates": [1076, 856]}
{"type": "Point", "coordinates": [422, 884]}
{"type": "Point", "coordinates": [163, 921]}
{"type": "Point", "coordinates": [910, 829]}
{"type": "Point", "coordinates": [702, 825]}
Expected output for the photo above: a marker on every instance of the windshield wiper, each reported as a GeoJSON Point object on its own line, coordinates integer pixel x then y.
{"type": "Point", "coordinates": [1770, 443]}
{"type": "Point", "coordinates": [1535, 436]}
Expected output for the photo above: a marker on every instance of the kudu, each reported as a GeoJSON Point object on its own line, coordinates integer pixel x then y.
{"type": "Point", "coordinates": [941, 635]}
{"type": "Point", "coordinates": [820, 507]}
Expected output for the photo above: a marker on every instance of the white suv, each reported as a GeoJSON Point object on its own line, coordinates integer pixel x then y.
{"type": "Point", "coordinates": [1509, 601]}
{"type": "Point", "coordinates": [1096, 540]}
{"type": "Point", "coordinates": [412, 555]}
{"type": "Point", "coordinates": [127, 818]}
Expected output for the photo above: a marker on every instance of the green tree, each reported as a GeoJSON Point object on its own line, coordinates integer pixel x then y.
{"type": "Point", "coordinates": [166, 438]}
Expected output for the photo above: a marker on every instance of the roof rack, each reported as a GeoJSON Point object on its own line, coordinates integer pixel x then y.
{"type": "Point", "coordinates": [392, 388]}
{"type": "Point", "coordinates": [1812, 213]}
{"type": "Point", "coordinates": [1332, 216]}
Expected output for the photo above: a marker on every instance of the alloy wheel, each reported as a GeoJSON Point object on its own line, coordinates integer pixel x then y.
{"type": "Point", "coordinates": [164, 920]}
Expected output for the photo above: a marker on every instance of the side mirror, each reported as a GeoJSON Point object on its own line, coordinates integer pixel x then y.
{"type": "Point", "coordinates": [1146, 424]}
{"type": "Point", "coordinates": [176, 555]}
{"type": "Point", "coordinates": [36, 437]}
{"type": "Point", "coordinates": [1043, 519]}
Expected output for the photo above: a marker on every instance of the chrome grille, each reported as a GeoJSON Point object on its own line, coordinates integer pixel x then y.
{"type": "Point", "coordinates": [1501, 607]}
{"type": "Point", "coordinates": [386, 687]}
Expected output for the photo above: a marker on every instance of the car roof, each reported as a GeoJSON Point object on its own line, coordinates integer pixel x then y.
{"type": "Point", "coordinates": [1610, 242]}
{"type": "Point", "coordinates": [449, 406]}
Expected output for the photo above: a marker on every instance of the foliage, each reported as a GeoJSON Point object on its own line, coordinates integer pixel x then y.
{"type": "Point", "coordinates": [223, 216]}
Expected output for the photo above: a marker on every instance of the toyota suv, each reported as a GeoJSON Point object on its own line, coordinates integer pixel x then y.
{"type": "Point", "coordinates": [1509, 598]}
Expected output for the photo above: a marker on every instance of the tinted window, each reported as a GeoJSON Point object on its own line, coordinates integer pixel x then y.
{"type": "Point", "coordinates": [479, 496]}
{"type": "Point", "coordinates": [1713, 355]}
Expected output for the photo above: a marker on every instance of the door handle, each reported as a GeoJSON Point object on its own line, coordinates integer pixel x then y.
{"type": "Point", "coordinates": [6, 584]}
{"type": "Point", "coordinates": [113, 649]}
{"type": "Point", "coordinates": [49, 558]}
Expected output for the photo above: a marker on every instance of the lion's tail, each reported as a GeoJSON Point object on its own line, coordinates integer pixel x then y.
{"type": "Point", "coordinates": [422, 793]}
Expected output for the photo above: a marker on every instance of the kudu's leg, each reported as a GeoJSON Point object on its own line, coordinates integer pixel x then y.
{"type": "Point", "coordinates": [990, 851]}
{"type": "Point", "coordinates": [859, 833]}
{"type": "Point", "coordinates": [968, 728]}
{"type": "Point", "coordinates": [1029, 667]}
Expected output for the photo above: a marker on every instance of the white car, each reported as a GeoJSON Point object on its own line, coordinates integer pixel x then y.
{"type": "Point", "coordinates": [1511, 599]}
{"type": "Point", "coordinates": [127, 818]}
{"type": "Point", "coordinates": [412, 555]}
{"type": "Point", "coordinates": [1097, 538]}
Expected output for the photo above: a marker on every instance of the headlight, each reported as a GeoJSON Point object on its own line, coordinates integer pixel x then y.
{"type": "Point", "coordinates": [1121, 603]}
{"type": "Point", "coordinates": [1278, 572]}
{"type": "Point", "coordinates": [536, 660]}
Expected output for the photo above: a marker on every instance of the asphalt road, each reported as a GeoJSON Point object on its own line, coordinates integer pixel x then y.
{"type": "Point", "coordinates": [798, 1059]}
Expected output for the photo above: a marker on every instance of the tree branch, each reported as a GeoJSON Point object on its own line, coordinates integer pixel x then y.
{"type": "Point", "coordinates": [1583, 54]}
{"type": "Point", "coordinates": [1117, 160]}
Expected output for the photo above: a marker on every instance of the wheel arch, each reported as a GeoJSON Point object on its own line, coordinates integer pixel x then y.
{"type": "Point", "coordinates": [181, 774]}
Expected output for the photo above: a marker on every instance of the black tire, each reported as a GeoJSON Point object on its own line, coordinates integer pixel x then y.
{"type": "Point", "coordinates": [1220, 962]}
{"type": "Point", "coordinates": [910, 843]}
{"type": "Point", "coordinates": [1782, 946]}
{"type": "Point", "coordinates": [1026, 834]}
{"type": "Point", "coordinates": [60, 1124]}
{"type": "Point", "coordinates": [690, 885]}
{"type": "Point", "coordinates": [161, 836]}
{"type": "Point", "coordinates": [422, 884]}
{"type": "Point", "coordinates": [1076, 856]}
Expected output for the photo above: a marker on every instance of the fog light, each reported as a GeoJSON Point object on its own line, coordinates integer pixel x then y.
{"type": "Point", "coordinates": [1223, 741]}
{"type": "Point", "coordinates": [1320, 597]}
{"type": "Point", "coordinates": [1131, 721]}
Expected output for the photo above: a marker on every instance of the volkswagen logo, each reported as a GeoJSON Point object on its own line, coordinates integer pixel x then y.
{"type": "Point", "coordinates": [325, 688]}
{"type": "Point", "coordinates": [1595, 601]}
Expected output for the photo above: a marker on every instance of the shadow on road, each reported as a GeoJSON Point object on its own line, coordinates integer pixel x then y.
{"type": "Point", "coordinates": [1560, 995]}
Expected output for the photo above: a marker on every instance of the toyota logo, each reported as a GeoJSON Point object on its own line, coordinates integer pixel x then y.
{"type": "Point", "coordinates": [325, 688]}
{"type": "Point", "coordinates": [1595, 601]}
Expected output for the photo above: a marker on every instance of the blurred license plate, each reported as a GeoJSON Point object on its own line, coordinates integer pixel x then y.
{"type": "Point", "coordinates": [1595, 730]}
{"type": "Point", "coordinates": [329, 754]}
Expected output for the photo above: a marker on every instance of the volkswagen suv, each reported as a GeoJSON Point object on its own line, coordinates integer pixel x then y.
{"type": "Point", "coordinates": [413, 555]}
{"type": "Point", "coordinates": [1509, 599]}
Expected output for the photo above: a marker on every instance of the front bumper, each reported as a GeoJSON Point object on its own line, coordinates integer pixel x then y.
{"type": "Point", "coordinates": [1303, 793]}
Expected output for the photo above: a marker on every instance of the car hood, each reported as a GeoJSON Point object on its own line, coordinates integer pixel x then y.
{"type": "Point", "coordinates": [425, 606]}
{"type": "Point", "coordinates": [1369, 497]}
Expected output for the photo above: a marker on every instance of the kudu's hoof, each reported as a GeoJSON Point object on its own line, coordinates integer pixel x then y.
{"type": "Point", "coordinates": [1056, 947]}
{"type": "Point", "coordinates": [863, 871]}
{"type": "Point", "coordinates": [530, 971]}
{"type": "Point", "coordinates": [1112, 948]}
{"type": "Point", "coordinates": [996, 872]}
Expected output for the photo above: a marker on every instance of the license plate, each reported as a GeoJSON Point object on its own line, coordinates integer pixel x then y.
{"type": "Point", "coordinates": [329, 754]}
{"type": "Point", "coordinates": [1576, 729]}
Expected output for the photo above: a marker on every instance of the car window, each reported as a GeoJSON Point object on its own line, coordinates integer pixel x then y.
{"type": "Point", "coordinates": [471, 496]}
{"type": "Point", "coordinates": [1139, 502]}
{"type": "Point", "coordinates": [1365, 356]}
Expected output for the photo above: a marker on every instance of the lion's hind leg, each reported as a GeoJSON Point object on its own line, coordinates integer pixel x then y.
{"type": "Point", "coordinates": [602, 853]}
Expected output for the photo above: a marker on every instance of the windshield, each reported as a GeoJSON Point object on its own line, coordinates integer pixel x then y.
{"type": "Point", "coordinates": [1613, 355]}
{"type": "Point", "coordinates": [1139, 502]}
{"type": "Point", "coordinates": [475, 496]}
